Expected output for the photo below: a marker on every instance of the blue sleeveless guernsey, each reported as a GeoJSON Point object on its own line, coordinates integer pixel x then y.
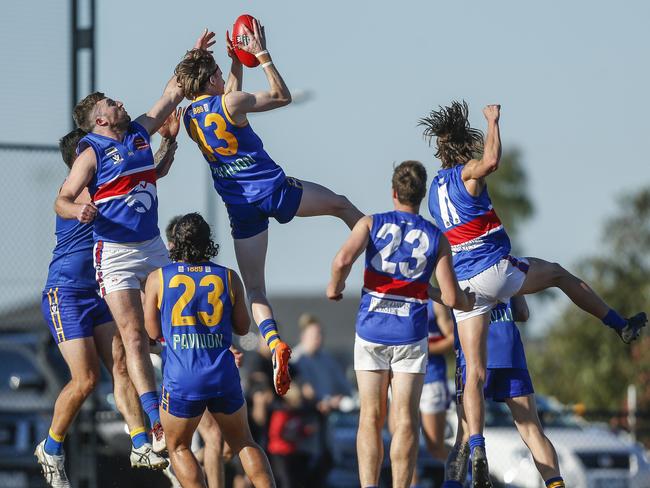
{"type": "Point", "coordinates": [242, 170]}
{"type": "Point", "coordinates": [436, 365]}
{"type": "Point", "coordinates": [504, 346]}
{"type": "Point", "coordinates": [400, 258]}
{"type": "Point", "coordinates": [195, 303]}
{"type": "Point", "coordinates": [72, 258]}
{"type": "Point", "coordinates": [477, 236]}
{"type": "Point", "coordinates": [124, 186]}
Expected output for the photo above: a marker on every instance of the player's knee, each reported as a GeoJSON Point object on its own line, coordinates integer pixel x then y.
{"type": "Point", "coordinates": [372, 418]}
{"type": "Point", "coordinates": [340, 204]}
{"type": "Point", "coordinates": [86, 383]}
{"type": "Point", "coordinates": [476, 376]}
{"type": "Point", "coordinates": [134, 339]}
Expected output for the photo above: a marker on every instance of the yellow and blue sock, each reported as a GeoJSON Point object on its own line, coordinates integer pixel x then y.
{"type": "Point", "coordinates": [556, 482]}
{"type": "Point", "coordinates": [139, 437]}
{"type": "Point", "coordinates": [476, 440]}
{"type": "Point", "coordinates": [54, 444]}
{"type": "Point", "coordinates": [269, 330]}
{"type": "Point", "coordinates": [614, 320]}
{"type": "Point", "coordinates": [149, 401]}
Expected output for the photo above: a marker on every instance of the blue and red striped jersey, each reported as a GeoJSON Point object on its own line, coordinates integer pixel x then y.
{"type": "Point", "coordinates": [124, 186]}
{"type": "Point", "coordinates": [242, 170]}
{"type": "Point", "coordinates": [477, 236]}
{"type": "Point", "coordinates": [400, 258]}
{"type": "Point", "coordinates": [436, 364]}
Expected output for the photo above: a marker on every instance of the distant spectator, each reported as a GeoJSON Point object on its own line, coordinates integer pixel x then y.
{"type": "Point", "coordinates": [318, 367]}
{"type": "Point", "coordinates": [291, 424]}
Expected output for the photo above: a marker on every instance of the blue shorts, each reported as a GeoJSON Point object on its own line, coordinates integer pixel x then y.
{"type": "Point", "coordinates": [187, 409]}
{"type": "Point", "coordinates": [73, 314]}
{"type": "Point", "coordinates": [250, 219]}
{"type": "Point", "coordinates": [500, 384]}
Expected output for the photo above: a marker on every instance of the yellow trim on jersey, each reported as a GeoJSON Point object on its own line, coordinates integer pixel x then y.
{"type": "Point", "coordinates": [161, 287]}
{"type": "Point", "coordinates": [136, 431]}
{"type": "Point", "coordinates": [201, 97]}
{"type": "Point", "coordinates": [230, 290]}
{"type": "Point", "coordinates": [57, 437]}
{"type": "Point", "coordinates": [225, 111]}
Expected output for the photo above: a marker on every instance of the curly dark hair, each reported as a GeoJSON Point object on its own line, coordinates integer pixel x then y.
{"type": "Point", "coordinates": [456, 141]}
{"type": "Point", "coordinates": [410, 182]}
{"type": "Point", "coordinates": [68, 146]}
{"type": "Point", "coordinates": [192, 240]}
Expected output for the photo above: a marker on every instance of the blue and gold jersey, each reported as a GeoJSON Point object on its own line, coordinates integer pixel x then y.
{"type": "Point", "coordinates": [196, 303]}
{"type": "Point", "coordinates": [242, 170]}
{"type": "Point", "coordinates": [72, 258]}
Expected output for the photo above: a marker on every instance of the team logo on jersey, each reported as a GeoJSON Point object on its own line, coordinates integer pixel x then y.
{"type": "Point", "coordinates": [114, 154]}
{"type": "Point", "coordinates": [141, 197]}
{"type": "Point", "coordinates": [140, 143]}
{"type": "Point", "coordinates": [54, 308]}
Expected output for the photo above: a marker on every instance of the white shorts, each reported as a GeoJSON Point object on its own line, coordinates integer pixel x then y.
{"type": "Point", "coordinates": [125, 266]}
{"type": "Point", "coordinates": [404, 358]}
{"type": "Point", "coordinates": [435, 397]}
{"type": "Point", "coordinates": [498, 283]}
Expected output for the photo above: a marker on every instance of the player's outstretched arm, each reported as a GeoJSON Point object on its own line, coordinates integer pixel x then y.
{"type": "Point", "coordinates": [477, 169]}
{"type": "Point", "coordinates": [236, 76]}
{"type": "Point", "coordinates": [520, 312]}
{"type": "Point", "coordinates": [241, 321]}
{"type": "Point", "coordinates": [80, 176]}
{"type": "Point", "coordinates": [172, 95]}
{"type": "Point", "coordinates": [347, 255]}
{"type": "Point", "coordinates": [240, 103]}
{"type": "Point", "coordinates": [164, 156]}
{"type": "Point", "coordinates": [151, 310]}
{"type": "Point", "coordinates": [451, 294]}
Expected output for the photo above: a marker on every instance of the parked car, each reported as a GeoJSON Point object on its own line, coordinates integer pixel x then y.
{"type": "Point", "coordinates": [28, 388]}
{"type": "Point", "coordinates": [590, 455]}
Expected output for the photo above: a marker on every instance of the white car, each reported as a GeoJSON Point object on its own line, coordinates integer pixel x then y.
{"type": "Point", "coordinates": [591, 456]}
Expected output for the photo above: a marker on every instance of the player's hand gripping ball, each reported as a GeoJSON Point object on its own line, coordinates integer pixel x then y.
{"type": "Point", "coordinates": [241, 37]}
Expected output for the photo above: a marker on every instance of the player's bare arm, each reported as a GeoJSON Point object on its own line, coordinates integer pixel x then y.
{"type": "Point", "coordinates": [151, 312]}
{"type": "Point", "coordinates": [236, 76]}
{"type": "Point", "coordinates": [240, 319]}
{"type": "Point", "coordinates": [477, 169]}
{"type": "Point", "coordinates": [451, 294]}
{"type": "Point", "coordinates": [172, 95]}
{"type": "Point", "coordinates": [164, 156]}
{"type": "Point", "coordinates": [80, 176]}
{"type": "Point", "coordinates": [520, 312]}
{"type": "Point", "coordinates": [278, 95]}
{"type": "Point", "coordinates": [347, 255]}
{"type": "Point", "coordinates": [446, 326]}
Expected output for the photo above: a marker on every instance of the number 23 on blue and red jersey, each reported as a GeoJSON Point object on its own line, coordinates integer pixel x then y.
{"type": "Point", "coordinates": [400, 258]}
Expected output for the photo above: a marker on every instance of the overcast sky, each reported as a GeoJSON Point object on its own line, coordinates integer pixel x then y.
{"type": "Point", "coordinates": [572, 79]}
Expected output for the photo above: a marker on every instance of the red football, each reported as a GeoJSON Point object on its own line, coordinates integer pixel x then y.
{"type": "Point", "coordinates": [239, 36]}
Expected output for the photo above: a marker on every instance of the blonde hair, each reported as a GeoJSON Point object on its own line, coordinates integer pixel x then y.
{"type": "Point", "coordinates": [194, 71]}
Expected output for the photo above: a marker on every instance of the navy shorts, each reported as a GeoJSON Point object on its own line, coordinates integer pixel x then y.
{"type": "Point", "coordinates": [500, 384]}
{"type": "Point", "coordinates": [187, 409]}
{"type": "Point", "coordinates": [73, 314]}
{"type": "Point", "coordinates": [250, 219]}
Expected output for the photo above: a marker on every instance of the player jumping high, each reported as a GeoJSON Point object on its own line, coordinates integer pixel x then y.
{"type": "Point", "coordinates": [116, 164]}
{"type": "Point", "coordinates": [83, 328]}
{"type": "Point", "coordinates": [250, 183]}
{"type": "Point", "coordinates": [461, 206]}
